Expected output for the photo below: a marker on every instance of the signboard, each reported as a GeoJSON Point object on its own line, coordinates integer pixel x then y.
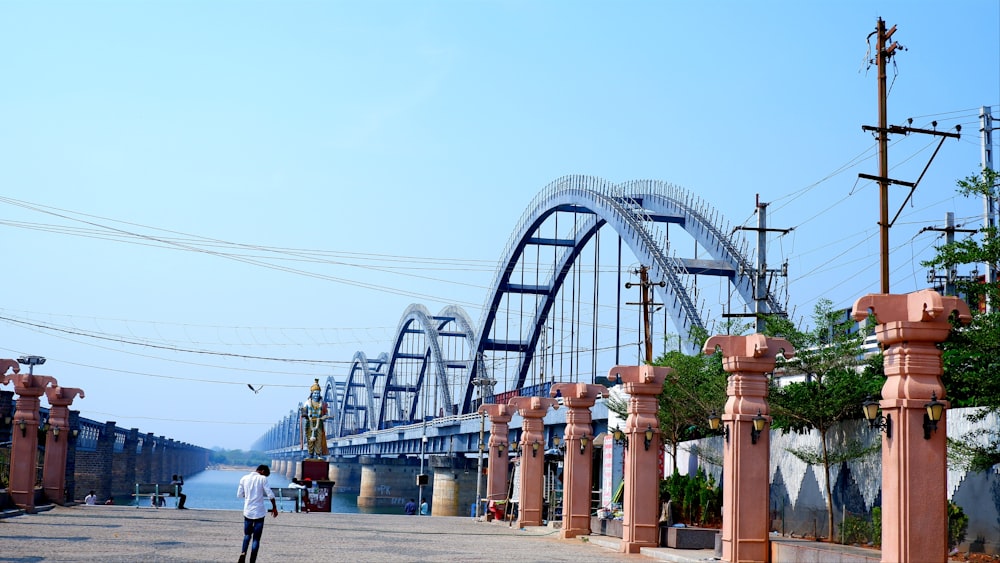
{"type": "Point", "coordinates": [515, 495]}
{"type": "Point", "coordinates": [607, 469]}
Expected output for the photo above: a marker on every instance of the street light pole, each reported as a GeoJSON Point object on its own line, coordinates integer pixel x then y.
{"type": "Point", "coordinates": [31, 362]}
{"type": "Point", "coordinates": [480, 382]}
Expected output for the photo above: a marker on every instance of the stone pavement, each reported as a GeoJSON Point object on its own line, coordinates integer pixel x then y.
{"type": "Point", "coordinates": [127, 534]}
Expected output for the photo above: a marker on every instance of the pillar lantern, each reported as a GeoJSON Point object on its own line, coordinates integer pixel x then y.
{"type": "Point", "coordinates": [54, 465]}
{"type": "Point", "coordinates": [746, 454]}
{"type": "Point", "coordinates": [577, 398]}
{"type": "Point", "coordinates": [914, 461]}
{"type": "Point", "coordinates": [23, 457]}
{"type": "Point", "coordinates": [496, 469]}
{"type": "Point", "coordinates": [640, 524]}
{"type": "Point", "coordinates": [533, 410]}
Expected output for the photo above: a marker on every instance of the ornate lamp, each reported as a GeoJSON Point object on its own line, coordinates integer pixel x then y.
{"type": "Point", "coordinates": [500, 447]}
{"type": "Point", "coordinates": [583, 443]}
{"type": "Point", "coordinates": [759, 422]}
{"type": "Point", "coordinates": [55, 432]}
{"type": "Point", "coordinates": [715, 421]}
{"type": "Point", "coordinates": [647, 436]}
{"type": "Point", "coordinates": [23, 425]}
{"type": "Point", "coordinates": [620, 437]}
{"type": "Point", "coordinates": [876, 419]}
{"type": "Point", "coordinates": [534, 448]}
{"type": "Point", "coordinates": [935, 409]}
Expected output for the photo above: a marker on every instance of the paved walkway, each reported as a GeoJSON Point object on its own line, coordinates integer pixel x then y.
{"type": "Point", "coordinates": [115, 534]}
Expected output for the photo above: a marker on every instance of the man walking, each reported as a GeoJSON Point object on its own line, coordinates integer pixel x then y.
{"type": "Point", "coordinates": [178, 483]}
{"type": "Point", "coordinates": [253, 488]}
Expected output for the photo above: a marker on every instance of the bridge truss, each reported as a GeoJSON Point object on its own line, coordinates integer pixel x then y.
{"type": "Point", "coordinates": [555, 311]}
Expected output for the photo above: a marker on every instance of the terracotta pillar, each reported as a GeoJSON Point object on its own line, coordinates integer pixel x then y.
{"type": "Point", "coordinates": [23, 451]}
{"type": "Point", "coordinates": [533, 410]}
{"type": "Point", "coordinates": [57, 441]}
{"type": "Point", "coordinates": [496, 467]}
{"type": "Point", "coordinates": [578, 460]}
{"type": "Point", "coordinates": [641, 508]}
{"type": "Point", "coordinates": [914, 469]}
{"type": "Point", "coordinates": [746, 459]}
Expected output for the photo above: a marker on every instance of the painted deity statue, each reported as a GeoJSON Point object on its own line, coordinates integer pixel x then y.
{"type": "Point", "coordinates": [314, 414]}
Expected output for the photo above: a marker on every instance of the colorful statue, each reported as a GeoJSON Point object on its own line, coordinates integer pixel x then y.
{"type": "Point", "coordinates": [314, 414]}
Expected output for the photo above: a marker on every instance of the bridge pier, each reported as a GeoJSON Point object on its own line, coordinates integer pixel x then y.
{"type": "Point", "coordinates": [386, 482]}
{"type": "Point", "coordinates": [454, 485]}
{"type": "Point", "coordinates": [346, 473]}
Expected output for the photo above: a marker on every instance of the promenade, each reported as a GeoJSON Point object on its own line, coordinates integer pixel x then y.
{"type": "Point", "coordinates": [114, 534]}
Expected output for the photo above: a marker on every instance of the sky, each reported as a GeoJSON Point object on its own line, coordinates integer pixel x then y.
{"type": "Point", "coordinates": [196, 196]}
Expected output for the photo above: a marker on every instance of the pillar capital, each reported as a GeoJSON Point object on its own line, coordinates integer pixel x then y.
{"type": "Point", "coordinates": [498, 413]}
{"type": "Point", "coordinates": [640, 380]}
{"type": "Point", "coordinates": [578, 395]}
{"type": "Point", "coordinates": [924, 306]}
{"type": "Point", "coordinates": [532, 407]}
{"type": "Point", "coordinates": [749, 354]}
{"type": "Point", "coordinates": [27, 385]}
{"type": "Point", "coordinates": [62, 396]}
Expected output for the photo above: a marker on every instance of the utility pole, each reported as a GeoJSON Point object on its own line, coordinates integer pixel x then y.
{"type": "Point", "coordinates": [645, 290]}
{"type": "Point", "coordinates": [882, 57]}
{"type": "Point", "coordinates": [760, 287]}
{"type": "Point", "coordinates": [951, 274]}
{"type": "Point", "coordinates": [989, 203]}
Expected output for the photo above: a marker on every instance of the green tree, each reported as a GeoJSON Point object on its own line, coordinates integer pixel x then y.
{"type": "Point", "coordinates": [835, 381]}
{"type": "Point", "coordinates": [971, 354]}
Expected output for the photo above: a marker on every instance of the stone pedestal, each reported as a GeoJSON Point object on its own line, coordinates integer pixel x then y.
{"type": "Point", "coordinates": [23, 456]}
{"type": "Point", "coordinates": [533, 410]}
{"type": "Point", "coordinates": [746, 460]}
{"type": "Point", "coordinates": [579, 457]}
{"type": "Point", "coordinates": [640, 525]}
{"type": "Point", "coordinates": [914, 461]}
{"type": "Point", "coordinates": [315, 469]}
{"type": "Point", "coordinates": [496, 469]}
{"type": "Point", "coordinates": [57, 442]}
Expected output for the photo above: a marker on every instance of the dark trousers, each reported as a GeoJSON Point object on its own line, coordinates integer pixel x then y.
{"type": "Point", "coordinates": [252, 529]}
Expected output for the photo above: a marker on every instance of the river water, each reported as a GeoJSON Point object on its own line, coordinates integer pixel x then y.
{"type": "Point", "coordinates": [216, 489]}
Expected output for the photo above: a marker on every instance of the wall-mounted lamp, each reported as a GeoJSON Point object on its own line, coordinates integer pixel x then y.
{"type": "Point", "coordinates": [876, 419]}
{"type": "Point", "coordinates": [534, 448]}
{"type": "Point", "coordinates": [647, 438]}
{"type": "Point", "coordinates": [620, 437]}
{"type": "Point", "coordinates": [23, 425]}
{"type": "Point", "coordinates": [759, 422]}
{"type": "Point", "coordinates": [715, 421]}
{"type": "Point", "coordinates": [44, 427]}
{"type": "Point", "coordinates": [556, 442]}
{"type": "Point", "coordinates": [55, 432]}
{"type": "Point", "coordinates": [500, 448]}
{"type": "Point", "coordinates": [935, 409]}
{"type": "Point", "coordinates": [76, 432]}
{"type": "Point", "coordinates": [583, 443]}
{"type": "Point", "coordinates": [516, 446]}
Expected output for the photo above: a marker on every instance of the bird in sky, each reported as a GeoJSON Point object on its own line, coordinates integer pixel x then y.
{"type": "Point", "coordinates": [255, 391]}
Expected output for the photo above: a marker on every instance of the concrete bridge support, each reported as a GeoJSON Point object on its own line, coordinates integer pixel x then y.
{"type": "Point", "coordinates": [447, 487]}
{"type": "Point", "coordinates": [746, 456]}
{"type": "Point", "coordinates": [533, 410]}
{"type": "Point", "coordinates": [346, 474]}
{"type": "Point", "coordinates": [579, 457]}
{"type": "Point", "coordinates": [387, 482]}
{"type": "Point", "coordinates": [914, 457]}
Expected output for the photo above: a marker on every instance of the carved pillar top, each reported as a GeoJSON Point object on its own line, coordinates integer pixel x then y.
{"type": "Point", "coordinates": [27, 385]}
{"type": "Point", "coordinates": [532, 407]}
{"type": "Point", "coordinates": [62, 396]}
{"type": "Point", "coordinates": [498, 413]}
{"type": "Point", "coordinates": [640, 380]}
{"type": "Point", "coordinates": [748, 354]}
{"type": "Point", "coordinates": [578, 395]}
{"type": "Point", "coordinates": [909, 327]}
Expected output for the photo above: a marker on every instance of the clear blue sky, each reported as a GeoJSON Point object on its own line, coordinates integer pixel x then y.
{"type": "Point", "coordinates": [375, 154]}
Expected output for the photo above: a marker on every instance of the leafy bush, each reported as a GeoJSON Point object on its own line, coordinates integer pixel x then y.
{"type": "Point", "coordinates": [855, 529]}
{"type": "Point", "coordinates": [696, 499]}
{"type": "Point", "coordinates": [958, 524]}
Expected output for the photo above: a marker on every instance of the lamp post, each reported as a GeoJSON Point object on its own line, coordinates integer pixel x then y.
{"type": "Point", "coordinates": [31, 362]}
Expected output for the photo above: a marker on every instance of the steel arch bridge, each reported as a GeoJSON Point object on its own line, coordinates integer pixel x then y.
{"type": "Point", "coordinates": [438, 363]}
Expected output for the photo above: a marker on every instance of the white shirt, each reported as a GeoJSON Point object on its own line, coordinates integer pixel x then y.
{"type": "Point", "coordinates": [254, 488]}
{"type": "Point", "coordinates": [91, 499]}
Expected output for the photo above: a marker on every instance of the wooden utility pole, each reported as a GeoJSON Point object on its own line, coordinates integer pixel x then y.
{"type": "Point", "coordinates": [646, 292]}
{"type": "Point", "coordinates": [885, 52]}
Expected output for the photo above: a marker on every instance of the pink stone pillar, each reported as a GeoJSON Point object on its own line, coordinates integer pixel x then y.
{"type": "Point", "coordinates": [640, 525]}
{"type": "Point", "coordinates": [57, 441]}
{"type": "Point", "coordinates": [746, 461]}
{"type": "Point", "coordinates": [914, 469]}
{"type": "Point", "coordinates": [533, 410]}
{"type": "Point", "coordinates": [496, 468]}
{"type": "Point", "coordinates": [23, 451]}
{"type": "Point", "coordinates": [579, 457]}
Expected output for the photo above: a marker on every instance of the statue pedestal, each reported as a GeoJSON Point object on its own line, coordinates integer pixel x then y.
{"type": "Point", "coordinates": [315, 470]}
